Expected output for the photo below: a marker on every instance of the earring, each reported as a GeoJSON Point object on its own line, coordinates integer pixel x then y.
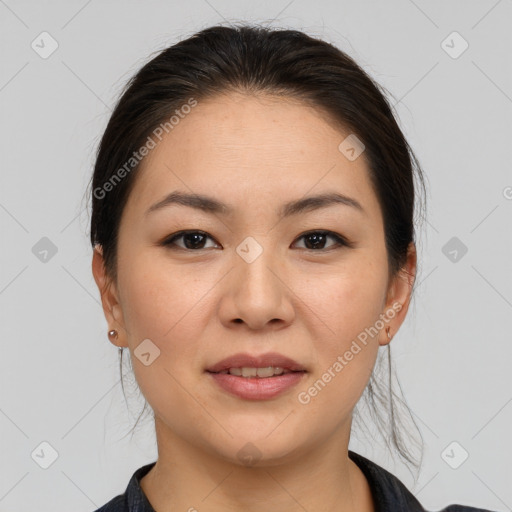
{"type": "Point", "coordinates": [112, 334]}
{"type": "Point", "coordinates": [389, 335]}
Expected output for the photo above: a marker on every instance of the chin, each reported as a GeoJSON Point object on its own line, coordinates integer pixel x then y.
{"type": "Point", "coordinates": [254, 449]}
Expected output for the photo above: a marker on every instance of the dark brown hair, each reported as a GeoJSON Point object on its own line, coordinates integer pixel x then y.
{"type": "Point", "coordinates": [253, 60]}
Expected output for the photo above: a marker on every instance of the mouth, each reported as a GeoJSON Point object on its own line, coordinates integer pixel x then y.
{"type": "Point", "coordinates": [259, 373]}
{"type": "Point", "coordinates": [257, 377]}
{"type": "Point", "coordinates": [264, 365]}
{"type": "Point", "coordinates": [255, 387]}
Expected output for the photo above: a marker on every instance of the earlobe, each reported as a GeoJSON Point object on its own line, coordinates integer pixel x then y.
{"type": "Point", "coordinates": [399, 295]}
{"type": "Point", "coordinates": [388, 335]}
{"type": "Point", "coordinates": [109, 299]}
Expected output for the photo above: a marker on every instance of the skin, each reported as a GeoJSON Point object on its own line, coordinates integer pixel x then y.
{"type": "Point", "coordinates": [200, 305]}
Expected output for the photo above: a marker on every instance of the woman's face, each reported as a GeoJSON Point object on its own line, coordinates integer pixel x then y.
{"type": "Point", "coordinates": [253, 281]}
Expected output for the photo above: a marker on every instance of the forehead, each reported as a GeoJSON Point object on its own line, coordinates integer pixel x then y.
{"type": "Point", "coordinates": [247, 149]}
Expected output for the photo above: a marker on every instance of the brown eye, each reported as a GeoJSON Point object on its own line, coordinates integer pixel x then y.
{"type": "Point", "coordinates": [193, 240]}
{"type": "Point", "coordinates": [315, 240]}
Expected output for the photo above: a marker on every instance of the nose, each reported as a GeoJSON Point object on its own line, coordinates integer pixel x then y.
{"type": "Point", "coordinates": [256, 292]}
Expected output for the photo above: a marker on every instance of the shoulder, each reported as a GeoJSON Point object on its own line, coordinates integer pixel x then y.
{"type": "Point", "coordinates": [391, 495]}
{"type": "Point", "coordinates": [117, 504]}
{"type": "Point", "coordinates": [464, 508]}
{"type": "Point", "coordinates": [133, 499]}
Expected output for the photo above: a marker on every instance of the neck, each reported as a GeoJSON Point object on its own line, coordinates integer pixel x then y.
{"type": "Point", "coordinates": [186, 477]}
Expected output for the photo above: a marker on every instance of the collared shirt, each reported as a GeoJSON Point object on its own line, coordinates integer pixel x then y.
{"type": "Point", "coordinates": [389, 494]}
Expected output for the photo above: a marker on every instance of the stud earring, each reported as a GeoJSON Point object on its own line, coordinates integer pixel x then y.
{"type": "Point", "coordinates": [389, 335]}
{"type": "Point", "coordinates": [112, 334]}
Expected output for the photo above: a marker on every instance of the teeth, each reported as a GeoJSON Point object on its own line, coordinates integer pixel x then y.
{"type": "Point", "coordinates": [270, 371]}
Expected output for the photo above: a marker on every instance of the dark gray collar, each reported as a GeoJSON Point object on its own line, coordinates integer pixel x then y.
{"type": "Point", "coordinates": [389, 494]}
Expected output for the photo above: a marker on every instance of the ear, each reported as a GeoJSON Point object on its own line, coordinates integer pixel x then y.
{"type": "Point", "coordinates": [109, 297]}
{"type": "Point", "coordinates": [399, 296]}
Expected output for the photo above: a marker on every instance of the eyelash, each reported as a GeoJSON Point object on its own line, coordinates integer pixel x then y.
{"type": "Point", "coordinates": [341, 241]}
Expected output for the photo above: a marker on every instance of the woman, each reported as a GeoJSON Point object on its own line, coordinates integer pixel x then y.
{"type": "Point", "coordinates": [253, 234]}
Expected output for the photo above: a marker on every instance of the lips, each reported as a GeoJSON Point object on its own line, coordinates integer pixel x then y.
{"type": "Point", "coordinates": [261, 361]}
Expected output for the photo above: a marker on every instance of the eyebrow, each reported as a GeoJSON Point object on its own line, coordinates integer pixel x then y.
{"type": "Point", "coordinates": [213, 206]}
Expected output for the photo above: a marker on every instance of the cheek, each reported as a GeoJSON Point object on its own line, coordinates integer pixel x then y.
{"type": "Point", "coordinates": [346, 300]}
{"type": "Point", "coordinates": [355, 304]}
{"type": "Point", "coordinates": [346, 339]}
{"type": "Point", "coordinates": [163, 304]}
{"type": "Point", "coordinates": [163, 300]}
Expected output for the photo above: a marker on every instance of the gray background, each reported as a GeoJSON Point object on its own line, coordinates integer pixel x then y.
{"type": "Point", "coordinates": [59, 373]}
